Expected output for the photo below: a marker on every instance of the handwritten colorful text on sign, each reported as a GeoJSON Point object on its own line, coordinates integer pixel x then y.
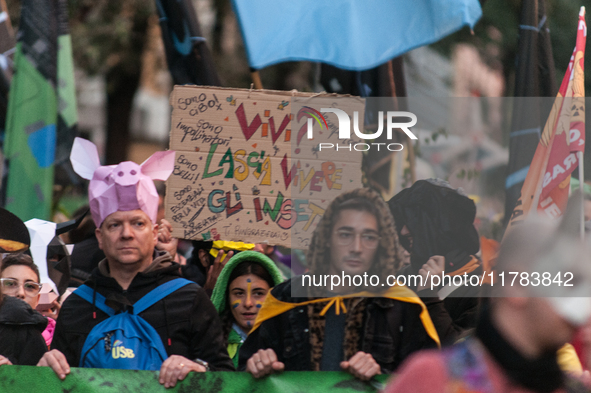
{"type": "Point", "coordinates": [242, 174]}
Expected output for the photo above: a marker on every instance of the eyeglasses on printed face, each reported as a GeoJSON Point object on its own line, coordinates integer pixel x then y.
{"type": "Point", "coordinates": [10, 286]}
{"type": "Point", "coordinates": [368, 239]}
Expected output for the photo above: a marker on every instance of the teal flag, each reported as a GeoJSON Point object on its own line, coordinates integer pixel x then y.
{"type": "Point", "coordinates": [43, 379]}
{"type": "Point", "coordinates": [41, 107]}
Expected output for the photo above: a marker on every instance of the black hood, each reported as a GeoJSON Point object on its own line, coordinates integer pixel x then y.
{"type": "Point", "coordinates": [440, 220]}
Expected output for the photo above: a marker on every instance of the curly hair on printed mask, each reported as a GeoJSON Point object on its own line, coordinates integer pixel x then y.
{"type": "Point", "coordinates": [389, 253]}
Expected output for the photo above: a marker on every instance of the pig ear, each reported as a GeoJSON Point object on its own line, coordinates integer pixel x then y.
{"type": "Point", "coordinates": [159, 166]}
{"type": "Point", "coordinates": [84, 158]}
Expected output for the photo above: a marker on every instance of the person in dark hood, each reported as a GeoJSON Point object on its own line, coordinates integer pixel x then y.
{"type": "Point", "coordinates": [439, 220]}
{"type": "Point", "coordinates": [435, 223]}
{"type": "Point", "coordinates": [363, 328]}
{"type": "Point", "coordinates": [519, 331]}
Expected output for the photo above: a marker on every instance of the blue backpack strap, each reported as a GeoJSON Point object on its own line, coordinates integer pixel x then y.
{"type": "Point", "coordinates": [159, 293]}
{"type": "Point", "coordinates": [87, 293]}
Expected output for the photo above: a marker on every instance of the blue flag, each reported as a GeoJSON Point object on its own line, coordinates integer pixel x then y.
{"type": "Point", "coordinates": [349, 34]}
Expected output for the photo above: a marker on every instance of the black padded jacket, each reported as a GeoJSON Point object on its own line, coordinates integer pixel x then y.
{"type": "Point", "coordinates": [186, 321]}
{"type": "Point", "coordinates": [20, 332]}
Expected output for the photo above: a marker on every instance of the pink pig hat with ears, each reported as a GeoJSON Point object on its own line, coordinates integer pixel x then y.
{"type": "Point", "coordinates": [123, 187]}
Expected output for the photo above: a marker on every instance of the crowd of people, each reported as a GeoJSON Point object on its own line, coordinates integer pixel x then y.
{"type": "Point", "coordinates": [228, 306]}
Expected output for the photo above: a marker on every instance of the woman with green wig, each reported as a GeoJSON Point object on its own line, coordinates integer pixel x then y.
{"type": "Point", "coordinates": [239, 294]}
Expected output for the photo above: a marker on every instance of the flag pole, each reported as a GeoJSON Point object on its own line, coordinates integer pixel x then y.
{"type": "Point", "coordinates": [582, 173]}
{"type": "Point", "coordinates": [256, 79]}
{"type": "Point", "coordinates": [582, 191]}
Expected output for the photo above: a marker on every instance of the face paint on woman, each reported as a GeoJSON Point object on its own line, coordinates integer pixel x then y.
{"type": "Point", "coordinates": [248, 290]}
{"type": "Point", "coordinates": [246, 296]}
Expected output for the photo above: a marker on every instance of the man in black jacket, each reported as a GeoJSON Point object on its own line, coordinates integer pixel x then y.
{"type": "Point", "coordinates": [365, 328]}
{"type": "Point", "coordinates": [185, 320]}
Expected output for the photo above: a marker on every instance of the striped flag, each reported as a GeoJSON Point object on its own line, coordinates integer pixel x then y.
{"type": "Point", "coordinates": [547, 184]}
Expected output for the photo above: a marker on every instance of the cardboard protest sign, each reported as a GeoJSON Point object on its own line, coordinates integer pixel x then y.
{"type": "Point", "coordinates": [245, 169]}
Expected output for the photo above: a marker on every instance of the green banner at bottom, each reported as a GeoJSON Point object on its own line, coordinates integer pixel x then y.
{"type": "Point", "coordinates": [43, 380]}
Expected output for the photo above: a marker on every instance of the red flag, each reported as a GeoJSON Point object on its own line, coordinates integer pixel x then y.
{"type": "Point", "coordinates": [548, 181]}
